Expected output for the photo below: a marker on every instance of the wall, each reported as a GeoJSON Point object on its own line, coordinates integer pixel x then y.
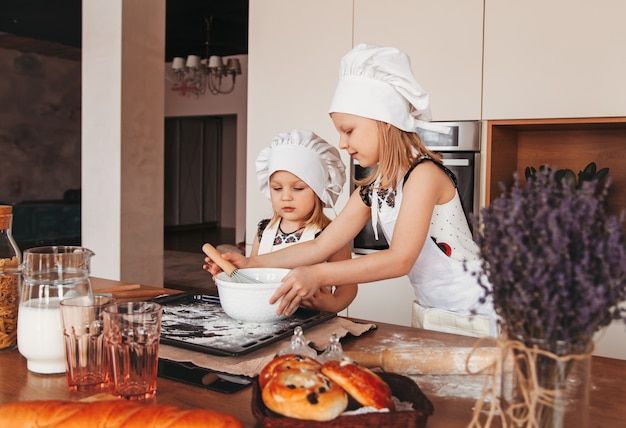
{"type": "Point", "coordinates": [293, 66]}
{"type": "Point", "coordinates": [554, 59]}
{"type": "Point", "coordinates": [40, 120]}
{"type": "Point", "coordinates": [122, 159]}
{"type": "Point", "coordinates": [40, 130]}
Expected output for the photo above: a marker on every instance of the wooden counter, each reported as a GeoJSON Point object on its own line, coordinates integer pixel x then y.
{"type": "Point", "coordinates": [452, 396]}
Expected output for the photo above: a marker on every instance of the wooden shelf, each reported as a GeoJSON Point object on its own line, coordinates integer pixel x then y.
{"type": "Point", "coordinates": [512, 145]}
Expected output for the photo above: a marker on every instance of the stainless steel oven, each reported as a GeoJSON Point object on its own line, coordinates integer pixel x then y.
{"type": "Point", "coordinates": [459, 144]}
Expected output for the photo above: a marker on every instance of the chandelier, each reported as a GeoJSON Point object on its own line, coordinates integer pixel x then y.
{"type": "Point", "coordinates": [196, 76]}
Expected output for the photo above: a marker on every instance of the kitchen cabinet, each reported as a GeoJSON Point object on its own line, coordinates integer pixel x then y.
{"type": "Point", "coordinates": [512, 145]}
{"type": "Point", "coordinates": [556, 59]}
{"type": "Point", "coordinates": [295, 49]}
{"type": "Point", "coordinates": [388, 301]}
{"type": "Point", "coordinates": [444, 42]}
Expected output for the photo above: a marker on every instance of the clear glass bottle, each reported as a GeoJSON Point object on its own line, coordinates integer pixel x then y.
{"type": "Point", "coordinates": [333, 351]}
{"type": "Point", "coordinates": [298, 345]}
{"type": "Point", "coordinates": [10, 262]}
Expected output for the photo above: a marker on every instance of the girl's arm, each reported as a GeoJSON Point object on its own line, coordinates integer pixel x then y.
{"type": "Point", "coordinates": [427, 186]}
{"type": "Point", "coordinates": [335, 238]}
{"type": "Point", "coordinates": [327, 301]}
{"type": "Point", "coordinates": [338, 234]}
{"type": "Point", "coordinates": [324, 300]}
{"type": "Point", "coordinates": [255, 245]}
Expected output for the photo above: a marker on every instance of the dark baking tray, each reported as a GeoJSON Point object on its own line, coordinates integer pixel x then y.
{"type": "Point", "coordinates": [198, 322]}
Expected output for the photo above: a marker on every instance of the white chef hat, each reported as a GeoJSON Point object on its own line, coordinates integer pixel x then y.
{"type": "Point", "coordinates": [378, 83]}
{"type": "Point", "coordinates": [309, 157]}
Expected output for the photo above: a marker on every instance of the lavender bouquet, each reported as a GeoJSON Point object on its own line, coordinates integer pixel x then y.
{"type": "Point", "coordinates": [555, 261]}
{"type": "Point", "coordinates": [555, 264]}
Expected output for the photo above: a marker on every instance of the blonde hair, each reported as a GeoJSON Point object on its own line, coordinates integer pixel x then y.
{"type": "Point", "coordinates": [398, 151]}
{"type": "Point", "coordinates": [317, 218]}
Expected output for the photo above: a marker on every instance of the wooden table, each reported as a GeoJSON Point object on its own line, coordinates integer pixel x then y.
{"type": "Point", "coordinates": [452, 397]}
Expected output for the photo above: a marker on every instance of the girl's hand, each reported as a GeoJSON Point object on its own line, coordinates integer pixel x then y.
{"type": "Point", "coordinates": [297, 286]}
{"type": "Point", "coordinates": [237, 259]}
{"type": "Point", "coordinates": [323, 300]}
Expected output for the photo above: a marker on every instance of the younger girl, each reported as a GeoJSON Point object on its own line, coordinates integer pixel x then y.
{"type": "Point", "coordinates": [302, 174]}
{"type": "Point", "coordinates": [376, 109]}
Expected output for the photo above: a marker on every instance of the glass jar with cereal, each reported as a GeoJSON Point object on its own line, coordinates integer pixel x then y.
{"type": "Point", "coordinates": [10, 257]}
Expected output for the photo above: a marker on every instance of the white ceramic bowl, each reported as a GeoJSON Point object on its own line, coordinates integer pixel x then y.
{"type": "Point", "coordinates": [250, 302]}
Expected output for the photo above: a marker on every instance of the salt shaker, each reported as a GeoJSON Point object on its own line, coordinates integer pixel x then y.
{"type": "Point", "coordinates": [9, 280]}
{"type": "Point", "coordinates": [333, 351]}
{"type": "Point", "coordinates": [298, 345]}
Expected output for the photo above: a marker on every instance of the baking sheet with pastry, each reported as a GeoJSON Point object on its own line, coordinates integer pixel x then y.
{"type": "Point", "coordinates": [197, 322]}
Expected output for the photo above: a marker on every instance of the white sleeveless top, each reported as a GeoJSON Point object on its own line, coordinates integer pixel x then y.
{"type": "Point", "coordinates": [439, 280]}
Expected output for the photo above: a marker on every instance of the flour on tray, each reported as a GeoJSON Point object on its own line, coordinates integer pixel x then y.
{"type": "Point", "coordinates": [206, 324]}
{"type": "Point", "coordinates": [199, 323]}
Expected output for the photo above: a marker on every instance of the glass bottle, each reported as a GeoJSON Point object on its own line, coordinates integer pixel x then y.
{"type": "Point", "coordinates": [10, 261]}
{"type": "Point", "coordinates": [298, 345]}
{"type": "Point", "coordinates": [333, 351]}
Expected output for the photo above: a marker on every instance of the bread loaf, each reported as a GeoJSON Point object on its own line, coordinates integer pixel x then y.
{"type": "Point", "coordinates": [285, 362]}
{"type": "Point", "coordinates": [361, 383]}
{"type": "Point", "coordinates": [304, 394]}
{"type": "Point", "coordinates": [109, 414]}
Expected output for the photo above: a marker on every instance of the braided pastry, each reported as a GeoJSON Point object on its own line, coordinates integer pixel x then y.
{"type": "Point", "coordinates": [304, 394]}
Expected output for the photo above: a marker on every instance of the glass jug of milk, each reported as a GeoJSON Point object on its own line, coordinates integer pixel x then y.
{"type": "Point", "coordinates": [50, 274]}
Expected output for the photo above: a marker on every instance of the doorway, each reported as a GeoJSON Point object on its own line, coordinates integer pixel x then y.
{"type": "Point", "coordinates": [192, 172]}
{"type": "Point", "coordinates": [199, 163]}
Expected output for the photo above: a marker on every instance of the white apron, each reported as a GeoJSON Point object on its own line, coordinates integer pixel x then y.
{"type": "Point", "coordinates": [445, 292]}
{"type": "Point", "coordinates": [267, 239]}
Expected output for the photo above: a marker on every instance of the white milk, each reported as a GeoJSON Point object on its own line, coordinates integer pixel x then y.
{"type": "Point", "coordinates": [40, 335]}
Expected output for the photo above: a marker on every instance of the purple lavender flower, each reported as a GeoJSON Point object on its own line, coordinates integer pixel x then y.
{"type": "Point", "coordinates": [554, 260]}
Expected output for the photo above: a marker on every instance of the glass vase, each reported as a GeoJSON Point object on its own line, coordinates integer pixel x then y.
{"type": "Point", "coordinates": [548, 386]}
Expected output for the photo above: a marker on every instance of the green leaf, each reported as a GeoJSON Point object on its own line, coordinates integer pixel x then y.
{"type": "Point", "coordinates": [588, 174]}
{"type": "Point", "coordinates": [566, 177]}
{"type": "Point", "coordinates": [602, 174]}
{"type": "Point", "coordinates": [590, 169]}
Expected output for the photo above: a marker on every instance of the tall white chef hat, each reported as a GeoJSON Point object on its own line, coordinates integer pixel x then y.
{"type": "Point", "coordinates": [309, 157]}
{"type": "Point", "coordinates": [378, 83]}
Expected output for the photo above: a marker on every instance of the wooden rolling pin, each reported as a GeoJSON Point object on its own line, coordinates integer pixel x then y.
{"type": "Point", "coordinates": [428, 359]}
{"type": "Point", "coordinates": [123, 287]}
{"type": "Point", "coordinates": [130, 291]}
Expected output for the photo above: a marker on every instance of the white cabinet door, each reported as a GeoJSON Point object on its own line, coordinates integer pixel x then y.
{"type": "Point", "coordinates": [295, 48]}
{"type": "Point", "coordinates": [389, 301]}
{"type": "Point", "coordinates": [554, 59]}
{"type": "Point", "coordinates": [443, 39]}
